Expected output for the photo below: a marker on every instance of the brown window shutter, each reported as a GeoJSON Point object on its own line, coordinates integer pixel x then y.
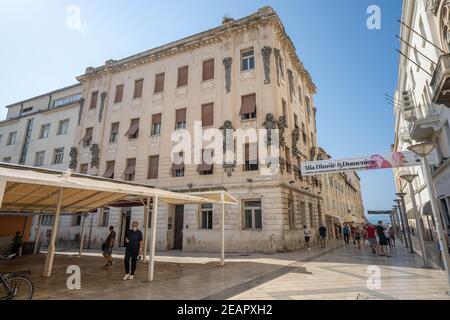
{"type": "Point", "coordinates": [208, 114]}
{"type": "Point", "coordinates": [208, 70]}
{"type": "Point", "coordinates": [131, 166]}
{"type": "Point", "coordinates": [159, 83]}
{"type": "Point", "coordinates": [180, 115]}
{"type": "Point", "coordinates": [204, 166]}
{"type": "Point", "coordinates": [156, 118]}
{"type": "Point", "coordinates": [248, 104]}
{"type": "Point", "coordinates": [94, 99]}
{"type": "Point", "coordinates": [88, 135]}
{"type": "Point", "coordinates": [251, 152]}
{"type": "Point", "coordinates": [115, 128]}
{"type": "Point", "coordinates": [109, 172]}
{"type": "Point", "coordinates": [183, 76]}
{"type": "Point", "coordinates": [119, 94]}
{"type": "Point", "coordinates": [153, 167]}
{"type": "Point", "coordinates": [134, 127]}
{"type": "Point", "coordinates": [138, 86]}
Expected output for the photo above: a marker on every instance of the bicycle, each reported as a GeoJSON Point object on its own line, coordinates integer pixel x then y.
{"type": "Point", "coordinates": [15, 285]}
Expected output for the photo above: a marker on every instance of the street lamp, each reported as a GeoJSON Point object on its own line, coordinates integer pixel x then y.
{"type": "Point", "coordinates": [402, 195]}
{"type": "Point", "coordinates": [409, 178]}
{"type": "Point", "coordinates": [403, 229]}
{"type": "Point", "coordinates": [423, 150]}
{"type": "Point", "coordinates": [397, 222]}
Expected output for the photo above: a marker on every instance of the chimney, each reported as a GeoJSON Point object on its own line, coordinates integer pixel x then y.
{"type": "Point", "coordinates": [226, 19]}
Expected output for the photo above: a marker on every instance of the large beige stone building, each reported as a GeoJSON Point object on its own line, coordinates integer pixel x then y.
{"type": "Point", "coordinates": [243, 74]}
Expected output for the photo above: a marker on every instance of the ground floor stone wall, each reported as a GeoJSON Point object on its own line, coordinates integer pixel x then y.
{"type": "Point", "coordinates": [278, 233]}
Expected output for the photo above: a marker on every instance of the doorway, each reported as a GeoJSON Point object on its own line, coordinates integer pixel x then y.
{"type": "Point", "coordinates": [125, 223]}
{"type": "Point", "coordinates": [178, 230]}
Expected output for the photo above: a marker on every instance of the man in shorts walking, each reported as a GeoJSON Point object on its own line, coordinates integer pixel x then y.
{"type": "Point", "coordinates": [372, 237]}
{"type": "Point", "coordinates": [307, 234]}
{"type": "Point", "coordinates": [108, 247]}
{"type": "Point", "coordinates": [322, 235]}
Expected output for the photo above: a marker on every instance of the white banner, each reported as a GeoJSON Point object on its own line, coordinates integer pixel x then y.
{"type": "Point", "coordinates": [376, 161]}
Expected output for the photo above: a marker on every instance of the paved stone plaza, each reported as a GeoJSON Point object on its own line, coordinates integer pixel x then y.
{"type": "Point", "coordinates": [335, 273]}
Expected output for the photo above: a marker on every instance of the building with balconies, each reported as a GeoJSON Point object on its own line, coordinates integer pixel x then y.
{"type": "Point", "coordinates": [422, 101]}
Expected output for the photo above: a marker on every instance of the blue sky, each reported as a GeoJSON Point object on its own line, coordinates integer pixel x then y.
{"type": "Point", "coordinates": [352, 66]}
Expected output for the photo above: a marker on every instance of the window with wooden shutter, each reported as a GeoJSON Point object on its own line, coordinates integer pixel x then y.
{"type": "Point", "coordinates": [153, 167]}
{"type": "Point", "coordinates": [119, 94]}
{"type": "Point", "coordinates": [251, 157]}
{"type": "Point", "coordinates": [94, 98]}
{"type": "Point", "coordinates": [156, 124]}
{"type": "Point", "coordinates": [206, 167]}
{"type": "Point", "coordinates": [87, 139]}
{"type": "Point", "coordinates": [159, 82]}
{"type": "Point", "coordinates": [183, 74]}
{"type": "Point", "coordinates": [114, 132]}
{"type": "Point", "coordinates": [138, 87]}
{"type": "Point", "coordinates": [130, 169]}
{"type": "Point", "coordinates": [133, 131]}
{"type": "Point", "coordinates": [208, 70]}
{"type": "Point", "coordinates": [109, 172]}
{"type": "Point", "coordinates": [248, 107]}
{"type": "Point", "coordinates": [180, 119]}
{"type": "Point", "coordinates": [208, 114]}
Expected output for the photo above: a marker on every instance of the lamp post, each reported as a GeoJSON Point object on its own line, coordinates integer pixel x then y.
{"type": "Point", "coordinates": [423, 150]}
{"type": "Point", "coordinates": [402, 195]}
{"type": "Point", "coordinates": [409, 178]}
{"type": "Point", "coordinates": [402, 217]}
{"type": "Point", "coordinates": [397, 222]}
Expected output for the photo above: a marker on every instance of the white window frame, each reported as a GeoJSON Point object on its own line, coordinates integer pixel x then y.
{"type": "Point", "coordinates": [12, 138]}
{"type": "Point", "coordinates": [37, 156]}
{"type": "Point", "coordinates": [253, 212]}
{"type": "Point", "coordinates": [58, 155]}
{"type": "Point", "coordinates": [63, 127]}
{"type": "Point", "coordinates": [247, 60]}
{"type": "Point", "coordinates": [208, 211]}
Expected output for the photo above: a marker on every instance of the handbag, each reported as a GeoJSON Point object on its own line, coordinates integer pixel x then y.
{"type": "Point", "coordinates": [104, 246]}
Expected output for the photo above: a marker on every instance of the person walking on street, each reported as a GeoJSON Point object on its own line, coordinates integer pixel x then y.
{"type": "Point", "coordinates": [358, 237]}
{"type": "Point", "coordinates": [382, 239]}
{"type": "Point", "coordinates": [392, 236]}
{"type": "Point", "coordinates": [346, 233]}
{"type": "Point", "coordinates": [323, 236]}
{"type": "Point", "coordinates": [307, 234]}
{"type": "Point", "coordinates": [108, 247]}
{"type": "Point", "coordinates": [372, 237]}
{"type": "Point", "coordinates": [387, 234]}
{"type": "Point", "coordinates": [133, 242]}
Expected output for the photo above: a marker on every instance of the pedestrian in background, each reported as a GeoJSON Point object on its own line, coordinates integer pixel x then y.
{"type": "Point", "coordinates": [346, 233]}
{"type": "Point", "coordinates": [307, 234]}
{"type": "Point", "coordinates": [322, 236]}
{"type": "Point", "coordinates": [372, 237]}
{"type": "Point", "coordinates": [392, 236]}
{"type": "Point", "coordinates": [133, 242]}
{"type": "Point", "coordinates": [358, 237]}
{"type": "Point", "coordinates": [108, 247]}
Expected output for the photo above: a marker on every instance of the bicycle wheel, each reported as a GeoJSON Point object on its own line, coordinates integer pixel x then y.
{"type": "Point", "coordinates": [21, 286]}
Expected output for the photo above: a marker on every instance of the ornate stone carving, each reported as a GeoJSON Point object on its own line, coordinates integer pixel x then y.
{"type": "Point", "coordinates": [312, 153]}
{"type": "Point", "coordinates": [276, 53]}
{"type": "Point", "coordinates": [432, 6]}
{"type": "Point", "coordinates": [282, 164]}
{"type": "Point", "coordinates": [73, 158]}
{"type": "Point", "coordinates": [80, 110]}
{"type": "Point", "coordinates": [266, 52]}
{"type": "Point", "coordinates": [95, 155]}
{"type": "Point", "coordinates": [295, 139]}
{"type": "Point", "coordinates": [291, 83]}
{"type": "Point", "coordinates": [228, 145]}
{"type": "Point", "coordinates": [444, 26]}
{"type": "Point", "coordinates": [269, 124]}
{"type": "Point", "coordinates": [102, 105]}
{"type": "Point", "coordinates": [282, 126]}
{"type": "Point", "coordinates": [227, 62]}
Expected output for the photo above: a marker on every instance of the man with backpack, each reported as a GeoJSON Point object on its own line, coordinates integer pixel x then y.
{"type": "Point", "coordinates": [346, 233]}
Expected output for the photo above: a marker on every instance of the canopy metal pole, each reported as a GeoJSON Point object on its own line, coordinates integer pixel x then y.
{"type": "Point", "coordinates": [51, 249]}
{"type": "Point", "coordinates": [83, 228]}
{"type": "Point", "coordinates": [38, 233]}
{"type": "Point", "coordinates": [151, 265]}
{"type": "Point", "coordinates": [222, 247]}
{"type": "Point", "coordinates": [407, 228]}
{"type": "Point", "coordinates": [146, 211]}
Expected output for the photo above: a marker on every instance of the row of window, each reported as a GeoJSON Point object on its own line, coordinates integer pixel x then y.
{"type": "Point", "coordinates": [63, 128]}
{"type": "Point", "coordinates": [57, 157]}
{"type": "Point", "coordinates": [247, 63]}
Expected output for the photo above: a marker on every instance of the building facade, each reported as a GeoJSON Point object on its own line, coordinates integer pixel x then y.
{"type": "Point", "coordinates": [38, 132]}
{"type": "Point", "coordinates": [342, 199]}
{"type": "Point", "coordinates": [421, 111]}
{"type": "Point", "coordinates": [244, 74]}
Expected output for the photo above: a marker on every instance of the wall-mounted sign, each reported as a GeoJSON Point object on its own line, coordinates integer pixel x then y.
{"type": "Point", "coordinates": [376, 161]}
{"type": "Point", "coordinates": [379, 212]}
